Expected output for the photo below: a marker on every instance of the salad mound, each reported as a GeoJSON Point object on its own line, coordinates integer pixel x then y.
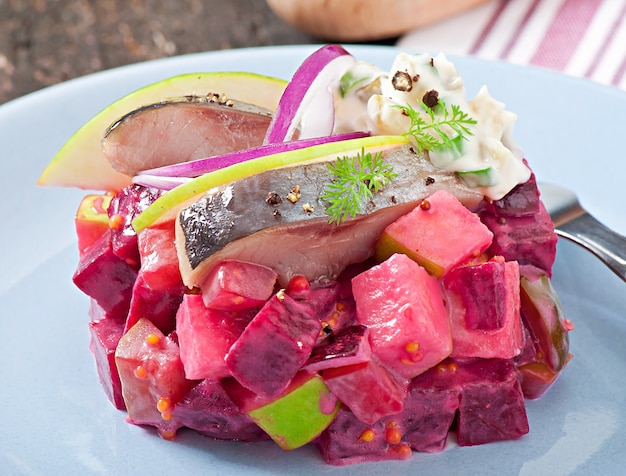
{"type": "Point", "coordinates": [367, 271]}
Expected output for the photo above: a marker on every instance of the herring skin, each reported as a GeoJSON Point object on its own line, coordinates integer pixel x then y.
{"type": "Point", "coordinates": [238, 221]}
{"type": "Point", "coordinates": [185, 129]}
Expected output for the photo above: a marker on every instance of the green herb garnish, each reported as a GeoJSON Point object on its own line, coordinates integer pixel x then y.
{"type": "Point", "coordinates": [349, 81]}
{"type": "Point", "coordinates": [353, 183]}
{"type": "Point", "coordinates": [444, 130]}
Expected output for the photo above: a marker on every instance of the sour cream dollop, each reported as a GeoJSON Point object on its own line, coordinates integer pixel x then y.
{"type": "Point", "coordinates": [367, 98]}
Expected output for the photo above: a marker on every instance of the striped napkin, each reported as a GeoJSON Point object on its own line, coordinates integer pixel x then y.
{"type": "Point", "coordinates": [585, 38]}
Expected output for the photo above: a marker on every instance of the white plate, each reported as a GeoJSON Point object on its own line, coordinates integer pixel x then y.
{"type": "Point", "coordinates": [54, 418]}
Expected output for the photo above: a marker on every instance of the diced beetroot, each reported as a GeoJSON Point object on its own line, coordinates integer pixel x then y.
{"type": "Point", "coordinates": [159, 259]}
{"type": "Point", "coordinates": [152, 376]}
{"type": "Point", "coordinates": [105, 335]}
{"type": "Point", "coordinates": [431, 234]}
{"type": "Point", "coordinates": [346, 346]}
{"type": "Point", "coordinates": [492, 404]}
{"type": "Point", "coordinates": [344, 315]}
{"type": "Point", "coordinates": [125, 206]}
{"type": "Point", "coordinates": [274, 346]}
{"type": "Point", "coordinates": [320, 295]}
{"type": "Point", "coordinates": [428, 411]}
{"type": "Point", "coordinates": [485, 393]}
{"type": "Point", "coordinates": [237, 285]}
{"type": "Point", "coordinates": [368, 389]}
{"type": "Point", "coordinates": [205, 336]}
{"type": "Point", "coordinates": [526, 239]}
{"type": "Point", "coordinates": [523, 200]}
{"type": "Point", "coordinates": [91, 220]}
{"type": "Point", "coordinates": [430, 408]}
{"type": "Point", "coordinates": [325, 300]}
{"type": "Point", "coordinates": [423, 425]}
{"type": "Point", "coordinates": [208, 409]}
{"type": "Point", "coordinates": [404, 309]}
{"type": "Point", "coordinates": [105, 277]}
{"type": "Point", "coordinates": [345, 278]}
{"type": "Point", "coordinates": [159, 307]}
{"type": "Point", "coordinates": [350, 441]}
{"type": "Point", "coordinates": [159, 288]}
{"type": "Point", "coordinates": [484, 308]}
{"type": "Point", "coordinates": [548, 329]}
{"type": "Point", "coordinates": [334, 310]}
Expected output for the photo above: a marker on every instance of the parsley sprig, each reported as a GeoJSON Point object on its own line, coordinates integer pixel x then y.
{"type": "Point", "coordinates": [354, 180]}
{"type": "Point", "coordinates": [438, 128]}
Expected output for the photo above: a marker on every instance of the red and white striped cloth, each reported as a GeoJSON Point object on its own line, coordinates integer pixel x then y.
{"type": "Point", "coordinates": [585, 38]}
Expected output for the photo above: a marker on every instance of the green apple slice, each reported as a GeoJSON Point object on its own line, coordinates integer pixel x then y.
{"type": "Point", "coordinates": [167, 206]}
{"type": "Point", "coordinates": [81, 162]}
{"type": "Point", "coordinates": [300, 415]}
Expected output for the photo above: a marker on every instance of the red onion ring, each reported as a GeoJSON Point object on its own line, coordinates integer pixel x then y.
{"type": "Point", "coordinates": [307, 100]}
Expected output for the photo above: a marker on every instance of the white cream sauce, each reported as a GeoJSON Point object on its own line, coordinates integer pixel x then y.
{"type": "Point", "coordinates": [368, 99]}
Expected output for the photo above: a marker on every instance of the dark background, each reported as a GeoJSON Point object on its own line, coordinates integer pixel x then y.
{"type": "Point", "coordinates": [43, 42]}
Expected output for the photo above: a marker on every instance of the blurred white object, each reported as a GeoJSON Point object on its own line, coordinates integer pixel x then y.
{"type": "Point", "coordinates": [366, 20]}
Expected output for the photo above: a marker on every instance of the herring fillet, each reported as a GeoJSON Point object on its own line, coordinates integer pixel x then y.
{"type": "Point", "coordinates": [238, 221]}
{"type": "Point", "coordinates": [182, 129]}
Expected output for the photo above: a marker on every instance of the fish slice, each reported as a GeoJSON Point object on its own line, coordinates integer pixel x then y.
{"type": "Point", "coordinates": [574, 223]}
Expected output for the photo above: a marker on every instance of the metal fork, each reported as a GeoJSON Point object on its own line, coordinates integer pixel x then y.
{"type": "Point", "coordinates": [575, 224]}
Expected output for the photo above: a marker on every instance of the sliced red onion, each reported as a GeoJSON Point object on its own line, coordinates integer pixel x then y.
{"type": "Point", "coordinates": [199, 167]}
{"type": "Point", "coordinates": [308, 100]}
{"type": "Point", "coordinates": [159, 182]}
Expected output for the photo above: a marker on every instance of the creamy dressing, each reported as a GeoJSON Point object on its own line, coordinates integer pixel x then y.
{"type": "Point", "coordinates": [368, 99]}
